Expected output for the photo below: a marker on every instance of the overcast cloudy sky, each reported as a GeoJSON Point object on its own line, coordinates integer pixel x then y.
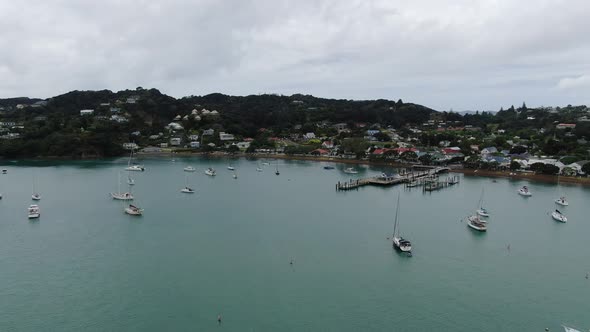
{"type": "Point", "coordinates": [460, 54]}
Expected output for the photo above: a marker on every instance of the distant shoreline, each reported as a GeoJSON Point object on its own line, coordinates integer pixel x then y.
{"type": "Point", "coordinates": [466, 171]}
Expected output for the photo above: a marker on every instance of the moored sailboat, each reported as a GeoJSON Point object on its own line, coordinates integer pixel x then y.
{"type": "Point", "coordinates": [399, 242]}
{"type": "Point", "coordinates": [210, 171]}
{"type": "Point", "coordinates": [187, 189]}
{"type": "Point", "coordinates": [122, 196]}
{"type": "Point", "coordinates": [524, 191]}
{"type": "Point", "coordinates": [33, 211]}
{"type": "Point", "coordinates": [482, 211]}
{"type": "Point", "coordinates": [134, 167]}
{"type": "Point", "coordinates": [134, 210]}
{"type": "Point", "coordinates": [558, 216]}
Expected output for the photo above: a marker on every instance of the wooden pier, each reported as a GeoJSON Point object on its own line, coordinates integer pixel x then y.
{"type": "Point", "coordinates": [440, 184]}
{"type": "Point", "coordinates": [405, 177]}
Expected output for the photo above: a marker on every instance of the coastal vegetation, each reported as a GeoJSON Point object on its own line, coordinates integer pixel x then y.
{"type": "Point", "coordinates": [91, 124]}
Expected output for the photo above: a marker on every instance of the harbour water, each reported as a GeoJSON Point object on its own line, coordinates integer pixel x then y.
{"type": "Point", "coordinates": [87, 266]}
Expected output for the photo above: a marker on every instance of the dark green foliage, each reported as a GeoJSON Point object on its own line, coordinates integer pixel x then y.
{"type": "Point", "coordinates": [550, 169]}
{"type": "Point", "coordinates": [514, 165]}
{"type": "Point", "coordinates": [586, 168]}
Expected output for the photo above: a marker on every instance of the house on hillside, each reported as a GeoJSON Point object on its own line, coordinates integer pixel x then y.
{"type": "Point", "coordinates": [226, 137]}
{"type": "Point", "coordinates": [208, 132]}
{"type": "Point", "coordinates": [130, 146]}
{"type": "Point", "coordinates": [320, 152]}
{"type": "Point", "coordinates": [327, 145]}
{"type": "Point", "coordinates": [566, 126]}
{"type": "Point", "coordinates": [86, 112]}
{"type": "Point", "coordinates": [175, 141]}
{"type": "Point", "coordinates": [309, 136]}
{"type": "Point", "coordinates": [488, 150]}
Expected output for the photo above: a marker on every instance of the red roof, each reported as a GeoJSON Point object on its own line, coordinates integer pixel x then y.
{"type": "Point", "coordinates": [320, 151]}
{"type": "Point", "coordinates": [402, 150]}
{"type": "Point", "coordinates": [451, 150]}
{"type": "Point", "coordinates": [382, 151]}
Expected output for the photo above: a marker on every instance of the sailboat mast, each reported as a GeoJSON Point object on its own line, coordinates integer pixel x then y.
{"type": "Point", "coordinates": [396, 213]}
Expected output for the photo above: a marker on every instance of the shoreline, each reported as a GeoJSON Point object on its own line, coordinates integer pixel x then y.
{"type": "Point", "coordinates": [466, 171]}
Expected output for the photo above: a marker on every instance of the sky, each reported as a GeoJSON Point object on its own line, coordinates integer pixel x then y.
{"type": "Point", "coordinates": [452, 54]}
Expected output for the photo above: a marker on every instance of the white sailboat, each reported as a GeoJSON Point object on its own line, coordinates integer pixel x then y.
{"type": "Point", "coordinates": [187, 189]}
{"type": "Point", "coordinates": [230, 167]}
{"type": "Point", "coordinates": [561, 200]}
{"type": "Point", "coordinates": [474, 221]}
{"type": "Point", "coordinates": [570, 329]}
{"type": "Point", "coordinates": [133, 168]}
{"type": "Point", "coordinates": [399, 242]}
{"type": "Point", "coordinates": [33, 211]}
{"type": "Point", "coordinates": [189, 169]}
{"type": "Point", "coordinates": [210, 171]}
{"type": "Point", "coordinates": [122, 196]}
{"type": "Point", "coordinates": [35, 195]}
{"type": "Point", "coordinates": [558, 216]}
{"type": "Point", "coordinates": [524, 191]}
{"type": "Point", "coordinates": [133, 210]}
{"type": "Point", "coordinates": [350, 170]}
{"type": "Point", "coordinates": [482, 211]}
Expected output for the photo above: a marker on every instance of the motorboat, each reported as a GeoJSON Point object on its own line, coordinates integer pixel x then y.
{"type": "Point", "coordinates": [189, 169]}
{"type": "Point", "coordinates": [34, 211]}
{"type": "Point", "coordinates": [258, 169]}
{"type": "Point", "coordinates": [122, 196]}
{"type": "Point", "coordinates": [562, 201]}
{"type": "Point", "coordinates": [133, 210]}
{"type": "Point", "coordinates": [36, 197]}
{"type": "Point", "coordinates": [329, 167]}
{"type": "Point", "coordinates": [187, 190]}
{"type": "Point", "coordinates": [4, 171]}
{"type": "Point", "coordinates": [558, 216]}
{"type": "Point", "coordinates": [399, 242]}
{"type": "Point", "coordinates": [350, 170]}
{"type": "Point", "coordinates": [266, 163]}
{"type": "Point", "coordinates": [235, 176]}
{"type": "Point", "coordinates": [412, 184]}
{"type": "Point", "coordinates": [230, 167]}
{"type": "Point", "coordinates": [135, 168]}
{"type": "Point", "coordinates": [477, 223]}
{"type": "Point", "coordinates": [524, 191]}
{"type": "Point", "coordinates": [210, 171]}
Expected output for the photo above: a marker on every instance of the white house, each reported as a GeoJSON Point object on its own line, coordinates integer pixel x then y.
{"type": "Point", "coordinates": [163, 145]}
{"type": "Point", "coordinates": [193, 137]}
{"type": "Point", "coordinates": [86, 112]}
{"type": "Point", "coordinates": [153, 137]}
{"type": "Point", "coordinates": [208, 132]}
{"type": "Point", "coordinates": [175, 126]}
{"type": "Point", "coordinates": [195, 144]}
{"type": "Point", "coordinates": [118, 118]}
{"type": "Point", "coordinates": [489, 150]}
{"type": "Point", "coordinates": [175, 141]}
{"type": "Point", "coordinates": [243, 145]}
{"type": "Point", "coordinates": [226, 137]}
{"type": "Point", "coordinates": [309, 136]}
{"type": "Point", "coordinates": [130, 146]}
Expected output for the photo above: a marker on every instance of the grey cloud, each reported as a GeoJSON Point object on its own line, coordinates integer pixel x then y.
{"type": "Point", "coordinates": [459, 54]}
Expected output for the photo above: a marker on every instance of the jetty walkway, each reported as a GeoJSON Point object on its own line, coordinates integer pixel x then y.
{"type": "Point", "coordinates": [386, 180]}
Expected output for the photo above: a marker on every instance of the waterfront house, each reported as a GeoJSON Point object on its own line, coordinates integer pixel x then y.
{"type": "Point", "coordinates": [195, 144]}
{"type": "Point", "coordinates": [327, 145]}
{"type": "Point", "coordinates": [226, 137]}
{"type": "Point", "coordinates": [175, 141]}
{"type": "Point", "coordinates": [566, 126]}
{"type": "Point", "coordinates": [488, 150]}
{"type": "Point", "coordinates": [130, 146]}
{"type": "Point", "coordinates": [243, 145]}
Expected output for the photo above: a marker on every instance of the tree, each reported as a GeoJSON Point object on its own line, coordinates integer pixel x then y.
{"type": "Point", "coordinates": [514, 165]}
{"type": "Point", "coordinates": [550, 169]}
{"type": "Point", "coordinates": [537, 167]}
{"type": "Point", "coordinates": [426, 159]}
{"type": "Point", "coordinates": [586, 168]}
{"type": "Point", "coordinates": [233, 148]}
{"type": "Point", "coordinates": [409, 156]}
{"type": "Point", "coordinates": [382, 137]}
{"type": "Point", "coordinates": [518, 149]}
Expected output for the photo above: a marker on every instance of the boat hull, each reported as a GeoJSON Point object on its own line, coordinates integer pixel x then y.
{"type": "Point", "coordinates": [477, 228]}
{"type": "Point", "coordinates": [135, 168]}
{"type": "Point", "coordinates": [122, 197]}
{"type": "Point", "coordinates": [133, 212]}
{"type": "Point", "coordinates": [397, 244]}
{"type": "Point", "coordinates": [559, 217]}
{"type": "Point", "coordinates": [562, 203]}
{"type": "Point", "coordinates": [187, 191]}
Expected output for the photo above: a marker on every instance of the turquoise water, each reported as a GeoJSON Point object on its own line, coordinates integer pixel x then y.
{"type": "Point", "coordinates": [86, 266]}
